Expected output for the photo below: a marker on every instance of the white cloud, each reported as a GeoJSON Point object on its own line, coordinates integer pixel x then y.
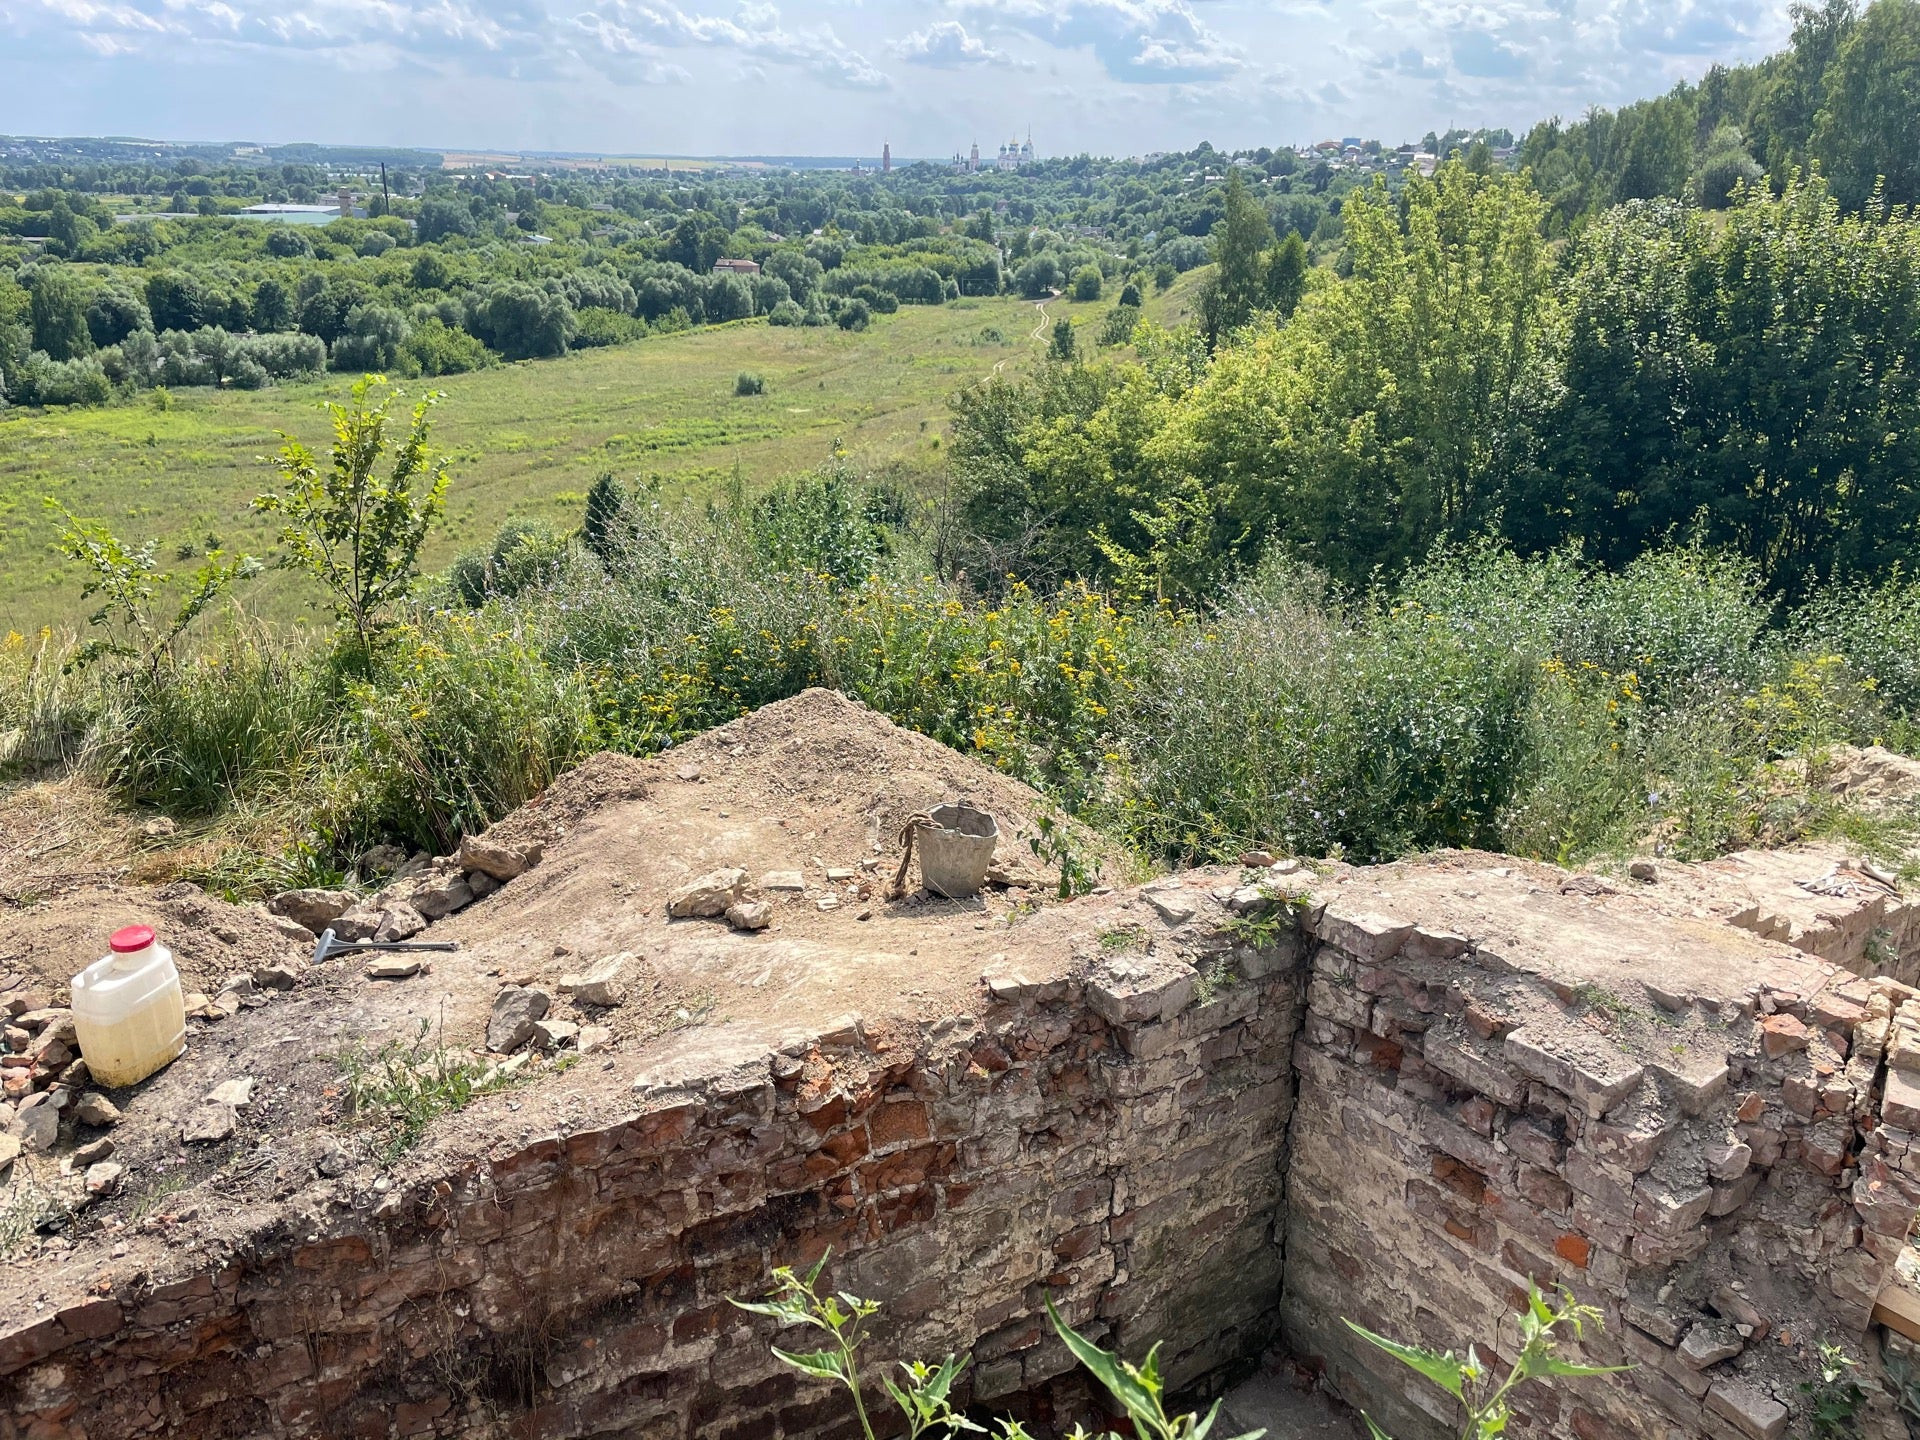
{"type": "Point", "coordinates": [947, 46]}
{"type": "Point", "coordinates": [756, 30]}
{"type": "Point", "coordinates": [1142, 41]}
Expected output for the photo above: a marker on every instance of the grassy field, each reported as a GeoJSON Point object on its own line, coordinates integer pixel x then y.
{"type": "Point", "coordinates": [526, 439]}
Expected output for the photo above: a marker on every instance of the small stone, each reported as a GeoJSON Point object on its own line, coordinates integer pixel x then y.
{"type": "Point", "coordinates": [592, 1038]}
{"type": "Point", "coordinates": [312, 909]}
{"type": "Point", "coordinates": [708, 895]}
{"type": "Point", "coordinates": [828, 902]}
{"type": "Point", "coordinates": [482, 884]}
{"type": "Point", "coordinates": [276, 977]}
{"type": "Point", "coordinates": [237, 1093]}
{"type": "Point", "coordinates": [840, 875]}
{"type": "Point", "coordinates": [750, 915]}
{"type": "Point", "coordinates": [1782, 1034]}
{"type": "Point", "coordinates": [103, 1180]}
{"type": "Point", "coordinates": [36, 1126]}
{"type": "Point", "coordinates": [553, 1034]}
{"type": "Point", "coordinates": [515, 1012]}
{"type": "Point", "coordinates": [93, 1153]}
{"type": "Point", "coordinates": [441, 895]}
{"type": "Point", "coordinates": [1751, 1410]}
{"type": "Point", "coordinates": [1728, 1160]}
{"type": "Point", "coordinates": [1710, 1342]}
{"type": "Point", "coordinates": [399, 922]}
{"type": "Point", "coordinates": [359, 923]}
{"type": "Point", "coordinates": [161, 827]}
{"type": "Point", "coordinates": [209, 1124]}
{"type": "Point", "coordinates": [1257, 860]}
{"type": "Point", "coordinates": [393, 967]}
{"type": "Point", "coordinates": [333, 1161]}
{"type": "Point", "coordinates": [1174, 905]}
{"type": "Point", "coordinates": [10, 1148]}
{"type": "Point", "coordinates": [783, 880]}
{"type": "Point", "coordinates": [495, 860]}
{"type": "Point", "coordinates": [601, 983]}
{"type": "Point", "coordinates": [1642, 870]}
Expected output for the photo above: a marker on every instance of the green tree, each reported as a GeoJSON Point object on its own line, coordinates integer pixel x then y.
{"type": "Point", "coordinates": [1286, 275]}
{"type": "Point", "coordinates": [1867, 133]}
{"type": "Point", "coordinates": [1235, 290]}
{"type": "Point", "coordinates": [57, 313]}
{"type": "Point", "coordinates": [272, 306]}
{"type": "Point", "coordinates": [358, 533]}
{"type": "Point", "coordinates": [1087, 283]}
{"type": "Point", "coordinates": [608, 517]}
{"type": "Point", "coordinates": [1061, 346]}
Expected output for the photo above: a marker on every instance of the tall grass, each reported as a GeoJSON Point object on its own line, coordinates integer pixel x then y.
{"type": "Point", "coordinates": [1537, 706]}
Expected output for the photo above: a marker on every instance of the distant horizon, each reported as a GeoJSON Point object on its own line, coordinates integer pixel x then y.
{"type": "Point", "coordinates": [636, 156]}
{"type": "Point", "coordinates": [715, 79]}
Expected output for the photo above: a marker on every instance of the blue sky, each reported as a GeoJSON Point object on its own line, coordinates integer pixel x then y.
{"type": "Point", "coordinates": [839, 76]}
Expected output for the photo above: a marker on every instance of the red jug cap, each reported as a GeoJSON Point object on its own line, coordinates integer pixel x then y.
{"type": "Point", "coordinates": [131, 940]}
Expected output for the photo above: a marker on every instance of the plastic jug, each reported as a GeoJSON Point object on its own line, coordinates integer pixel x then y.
{"type": "Point", "coordinates": [128, 1011]}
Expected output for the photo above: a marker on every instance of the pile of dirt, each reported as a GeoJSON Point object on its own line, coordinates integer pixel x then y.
{"type": "Point", "coordinates": [806, 798]}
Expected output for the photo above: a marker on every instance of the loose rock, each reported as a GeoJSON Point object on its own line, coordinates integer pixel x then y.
{"type": "Point", "coordinates": [750, 915]}
{"type": "Point", "coordinates": [441, 895]}
{"type": "Point", "coordinates": [10, 1148]}
{"type": "Point", "coordinates": [495, 860]}
{"type": "Point", "coordinates": [98, 1111]}
{"type": "Point", "coordinates": [93, 1153]}
{"type": "Point", "coordinates": [393, 968]}
{"type": "Point", "coordinates": [334, 1161]}
{"type": "Point", "coordinates": [515, 1012]}
{"type": "Point", "coordinates": [37, 1125]}
{"type": "Point", "coordinates": [1642, 870]}
{"type": "Point", "coordinates": [602, 983]}
{"type": "Point", "coordinates": [708, 896]}
{"type": "Point", "coordinates": [553, 1034]}
{"type": "Point", "coordinates": [237, 1093]}
{"type": "Point", "coordinates": [592, 1038]}
{"type": "Point", "coordinates": [276, 977]}
{"type": "Point", "coordinates": [783, 880]}
{"type": "Point", "coordinates": [103, 1180]}
{"type": "Point", "coordinates": [313, 909]}
{"type": "Point", "coordinates": [400, 922]}
{"type": "Point", "coordinates": [209, 1124]}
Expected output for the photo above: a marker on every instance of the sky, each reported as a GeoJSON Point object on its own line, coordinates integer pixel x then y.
{"type": "Point", "coordinates": [840, 77]}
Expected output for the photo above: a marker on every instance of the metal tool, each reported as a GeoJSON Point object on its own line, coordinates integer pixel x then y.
{"type": "Point", "coordinates": [330, 945]}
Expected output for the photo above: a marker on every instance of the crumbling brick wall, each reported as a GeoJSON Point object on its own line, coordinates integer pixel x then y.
{"type": "Point", "coordinates": [1724, 1178]}
{"type": "Point", "coordinates": [1114, 1145]}
{"type": "Point", "coordinates": [1216, 1113]}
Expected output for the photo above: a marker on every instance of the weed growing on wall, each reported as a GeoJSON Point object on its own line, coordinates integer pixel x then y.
{"type": "Point", "coordinates": [923, 1393]}
{"type": "Point", "coordinates": [1486, 1399]}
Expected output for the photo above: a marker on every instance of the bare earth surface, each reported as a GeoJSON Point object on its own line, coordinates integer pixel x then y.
{"type": "Point", "coordinates": [815, 785]}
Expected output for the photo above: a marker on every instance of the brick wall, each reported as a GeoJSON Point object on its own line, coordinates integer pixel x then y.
{"type": "Point", "coordinates": [1722, 1178]}
{"type": "Point", "coordinates": [1114, 1142]}
{"type": "Point", "coordinates": [1191, 1124]}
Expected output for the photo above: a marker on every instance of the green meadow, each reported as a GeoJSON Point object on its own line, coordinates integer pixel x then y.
{"type": "Point", "coordinates": [526, 440]}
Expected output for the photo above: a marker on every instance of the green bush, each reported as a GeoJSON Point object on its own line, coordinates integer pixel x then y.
{"type": "Point", "coordinates": [748, 383]}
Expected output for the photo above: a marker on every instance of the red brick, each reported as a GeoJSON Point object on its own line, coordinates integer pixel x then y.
{"type": "Point", "coordinates": [1574, 1249]}
{"type": "Point", "coordinates": [898, 1123]}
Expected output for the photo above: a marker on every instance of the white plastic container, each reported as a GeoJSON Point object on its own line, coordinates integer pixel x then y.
{"type": "Point", "coordinates": [128, 1011]}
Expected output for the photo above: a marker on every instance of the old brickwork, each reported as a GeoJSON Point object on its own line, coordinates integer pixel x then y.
{"type": "Point", "coordinates": [1715, 1170]}
{"type": "Point", "coordinates": [1116, 1145]}
{"type": "Point", "coordinates": [1223, 1111]}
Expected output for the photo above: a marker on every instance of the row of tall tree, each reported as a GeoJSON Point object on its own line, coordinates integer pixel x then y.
{"type": "Point", "coordinates": [1751, 380]}
{"type": "Point", "coordinates": [1842, 98]}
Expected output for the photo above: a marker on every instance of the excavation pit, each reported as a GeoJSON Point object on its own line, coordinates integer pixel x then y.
{"type": "Point", "coordinates": [1223, 1110]}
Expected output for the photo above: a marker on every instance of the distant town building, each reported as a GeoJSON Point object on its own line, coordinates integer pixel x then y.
{"type": "Point", "coordinates": [736, 267]}
{"type": "Point", "coordinates": [1014, 155]}
{"type": "Point", "coordinates": [886, 158]}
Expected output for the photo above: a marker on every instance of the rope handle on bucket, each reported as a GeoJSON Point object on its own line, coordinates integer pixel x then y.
{"type": "Point", "coordinates": [907, 832]}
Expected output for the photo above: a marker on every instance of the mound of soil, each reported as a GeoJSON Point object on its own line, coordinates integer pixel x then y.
{"type": "Point", "coordinates": [807, 797]}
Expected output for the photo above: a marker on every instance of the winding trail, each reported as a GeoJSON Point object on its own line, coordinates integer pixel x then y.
{"type": "Point", "coordinates": [1039, 331]}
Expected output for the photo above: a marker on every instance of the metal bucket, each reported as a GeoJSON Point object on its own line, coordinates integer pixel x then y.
{"type": "Point", "coordinates": [956, 850]}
